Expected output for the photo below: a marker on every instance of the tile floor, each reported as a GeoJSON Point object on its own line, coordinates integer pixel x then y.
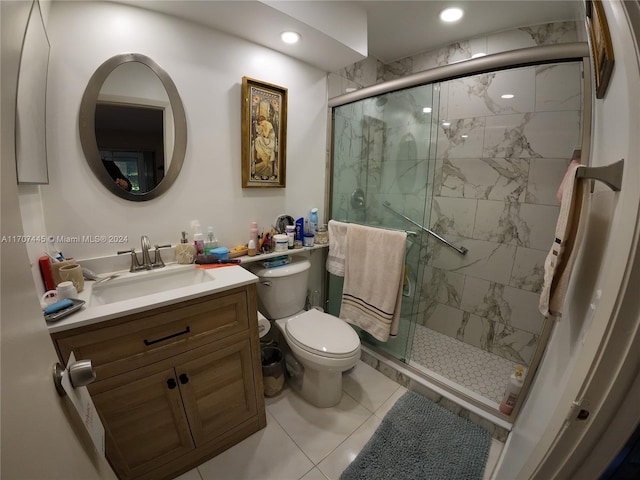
{"type": "Point", "coordinates": [303, 442]}
{"type": "Point", "coordinates": [471, 367]}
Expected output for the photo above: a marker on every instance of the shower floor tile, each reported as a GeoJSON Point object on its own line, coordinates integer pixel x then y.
{"type": "Point", "coordinates": [473, 368]}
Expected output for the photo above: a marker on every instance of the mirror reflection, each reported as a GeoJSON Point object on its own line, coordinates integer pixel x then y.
{"type": "Point", "coordinates": [132, 127]}
{"type": "Point", "coordinates": [132, 115]}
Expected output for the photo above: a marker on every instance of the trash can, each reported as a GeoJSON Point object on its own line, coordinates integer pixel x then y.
{"type": "Point", "coordinates": [272, 370]}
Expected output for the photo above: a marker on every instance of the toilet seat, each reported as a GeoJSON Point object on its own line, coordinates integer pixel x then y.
{"type": "Point", "coordinates": [323, 334]}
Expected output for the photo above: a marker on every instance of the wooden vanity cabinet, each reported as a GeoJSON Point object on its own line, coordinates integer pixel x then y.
{"type": "Point", "coordinates": [185, 388]}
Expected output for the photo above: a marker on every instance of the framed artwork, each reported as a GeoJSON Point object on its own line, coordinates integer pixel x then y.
{"type": "Point", "coordinates": [264, 134]}
{"type": "Point", "coordinates": [601, 47]}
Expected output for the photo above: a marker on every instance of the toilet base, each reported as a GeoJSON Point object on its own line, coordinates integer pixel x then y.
{"type": "Point", "coordinates": [320, 388]}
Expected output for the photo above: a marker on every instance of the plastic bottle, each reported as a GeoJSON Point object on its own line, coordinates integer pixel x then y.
{"type": "Point", "coordinates": [253, 233]}
{"type": "Point", "coordinates": [513, 390]}
{"type": "Point", "coordinates": [211, 243]}
{"type": "Point", "coordinates": [291, 235]}
{"type": "Point", "coordinates": [313, 221]}
{"type": "Point", "coordinates": [198, 237]}
{"type": "Point", "coordinates": [252, 249]}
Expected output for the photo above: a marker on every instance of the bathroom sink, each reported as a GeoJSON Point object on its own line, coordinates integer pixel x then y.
{"type": "Point", "coordinates": [134, 285]}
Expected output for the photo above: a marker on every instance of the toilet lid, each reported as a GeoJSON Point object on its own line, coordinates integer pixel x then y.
{"type": "Point", "coordinates": [323, 334]}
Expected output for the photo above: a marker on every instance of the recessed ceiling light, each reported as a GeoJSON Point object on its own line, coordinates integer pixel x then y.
{"type": "Point", "coordinates": [507, 95]}
{"type": "Point", "coordinates": [451, 14]}
{"type": "Point", "coordinates": [290, 37]}
{"type": "Point", "coordinates": [350, 89]}
{"type": "Point", "coordinates": [464, 136]}
{"type": "Point", "coordinates": [479, 54]}
{"type": "Point", "coordinates": [426, 110]}
{"type": "Point", "coordinates": [446, 124]}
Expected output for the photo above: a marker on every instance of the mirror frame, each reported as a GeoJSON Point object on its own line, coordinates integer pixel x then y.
{"type": "Point", "coordinates": [88, 134]}
{"type": "Point", "coordinates": [31, 99]}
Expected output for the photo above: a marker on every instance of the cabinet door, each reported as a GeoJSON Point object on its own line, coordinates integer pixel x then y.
{"type": "Point", "coordinates": [218, 390]}
{"type": "Point", "coordinates": [144, 421]}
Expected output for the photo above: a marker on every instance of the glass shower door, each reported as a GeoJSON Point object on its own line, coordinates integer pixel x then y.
{"type": "Point", "coordinates": [383, 157]}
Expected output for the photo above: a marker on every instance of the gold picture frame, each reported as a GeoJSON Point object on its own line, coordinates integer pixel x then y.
{"type": "Point", "coordinates": [601, 47]}
{"type": "Point", "coordinates": [264, 134]}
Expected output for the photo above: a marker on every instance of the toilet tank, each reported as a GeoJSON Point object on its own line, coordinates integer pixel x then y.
{"type": "Point", "coordinates": [282, 291]}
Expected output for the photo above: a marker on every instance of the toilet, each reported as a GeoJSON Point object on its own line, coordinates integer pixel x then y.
{"type": "Point", "coordinates": [322, 345]}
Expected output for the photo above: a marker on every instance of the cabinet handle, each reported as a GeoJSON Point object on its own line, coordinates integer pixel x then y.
{"type": "Point", "coordinates": [184, 379]}
{"type": "Point", "coordinates": [151, 342]}
{"type": "Point", "coordinates": [171, 383]}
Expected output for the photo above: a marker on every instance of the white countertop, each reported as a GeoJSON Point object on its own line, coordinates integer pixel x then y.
{"type": "Point", "coordinates": [224, 278]}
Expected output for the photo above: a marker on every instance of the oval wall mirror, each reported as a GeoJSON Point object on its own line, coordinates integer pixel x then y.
{"type": "Point", "coordinates": [133, 127]}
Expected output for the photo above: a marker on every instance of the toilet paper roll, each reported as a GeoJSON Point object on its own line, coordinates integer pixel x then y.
{"type": "Point", "coordinates": [264, 326]}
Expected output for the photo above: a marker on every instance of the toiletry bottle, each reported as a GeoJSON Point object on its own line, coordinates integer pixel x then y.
{"type": "Point", "coordinates": [185, 252]}
{"type": "Point", "coordinates": [198, 238]}
{"type": "Point", "coordinates": [45, 271]}
{"type": "Point", "coordinates": [300, 229]}
{"type": "Point", "coordinates": [211, 243]}
{"type": "Point", "coordinates": [252, 248]}
{"type": "Point", "coordinates": [513, 389]}
{"type": "Point", "coordinates": [313, 221]}
{"type": "Point", "coordinates": [253, 233]}
{"type": "Point", "coordinates": [291, 235]}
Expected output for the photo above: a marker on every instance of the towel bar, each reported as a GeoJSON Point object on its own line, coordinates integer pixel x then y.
{"type": "Point", "coordinates": [610, 175]}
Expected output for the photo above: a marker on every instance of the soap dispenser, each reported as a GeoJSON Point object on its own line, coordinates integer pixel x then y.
{"type": "Point", "coordinates": [185, 252]}
{"type": "Point", "coordinates": [211, 243]}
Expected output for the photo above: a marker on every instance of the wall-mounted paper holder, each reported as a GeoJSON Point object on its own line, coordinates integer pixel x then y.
{"type": "Point", "coordinates": [611, 175]}
{"type": "Point", "coordinates": [81, 373]}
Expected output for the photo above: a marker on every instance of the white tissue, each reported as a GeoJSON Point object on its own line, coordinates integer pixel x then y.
{"type": "Point", "coordinates": [263, 326]}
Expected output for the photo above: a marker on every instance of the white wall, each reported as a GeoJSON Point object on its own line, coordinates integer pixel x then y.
{"type": "Point", "coordinates": [207, 68]}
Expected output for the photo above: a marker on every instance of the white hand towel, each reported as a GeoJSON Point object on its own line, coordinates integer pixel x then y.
{"type": "Point", "coordinates": [559, 262]}
{"type": "Point", "coordinates": [337, 247]}
{"type": "Point", "coordinates": [373, 280]}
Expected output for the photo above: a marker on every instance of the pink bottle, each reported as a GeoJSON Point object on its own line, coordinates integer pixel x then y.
{"type": "Point", "coordinates": [253, 235]}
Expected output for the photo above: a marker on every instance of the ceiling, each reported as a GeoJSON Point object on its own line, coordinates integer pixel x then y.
{"type": "Point", "coordinates": [392, 29]}
{"type": "Point", "coordinates": [398, 29]}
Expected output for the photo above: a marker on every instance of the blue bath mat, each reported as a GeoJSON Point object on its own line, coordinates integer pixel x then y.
{"type": "Point", "coordinates": [418, 439]}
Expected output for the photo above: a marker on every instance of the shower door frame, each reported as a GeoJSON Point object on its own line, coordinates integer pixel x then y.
{"type": "Point", "coordinates": [525, 57]}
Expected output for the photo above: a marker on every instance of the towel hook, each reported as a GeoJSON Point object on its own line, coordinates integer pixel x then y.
{"type": "Point", "coordinates": [610, 175]}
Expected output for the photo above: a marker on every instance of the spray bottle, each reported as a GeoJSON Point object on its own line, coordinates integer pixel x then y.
{"type": "Point", "coordinates": [313, 221]}
{"type": "Point", "coordinates": [513, 389]}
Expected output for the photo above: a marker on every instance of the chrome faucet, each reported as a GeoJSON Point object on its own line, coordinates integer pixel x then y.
{"type": "Point", "coordinates": [146, 245]}
{"type": "Point", "coordinates": [146, 264]}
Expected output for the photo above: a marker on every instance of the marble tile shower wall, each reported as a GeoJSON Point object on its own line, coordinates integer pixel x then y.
{"type": "Point", "coordinates": [371, 71]}
{"type": "Point", "coordinates": [497, 168]}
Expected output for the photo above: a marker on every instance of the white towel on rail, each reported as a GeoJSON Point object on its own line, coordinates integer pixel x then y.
{"type": "Point", "coordinates": [561, 258]}
{"type": "Point", "coordinates": [337, 247]}
{"type": "Point", "coordinates": [373, 279]}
